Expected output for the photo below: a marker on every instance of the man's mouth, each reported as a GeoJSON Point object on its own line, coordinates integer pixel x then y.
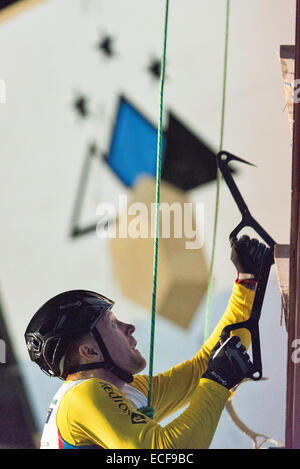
{"type": "Point", "coordinates": [133, 345]}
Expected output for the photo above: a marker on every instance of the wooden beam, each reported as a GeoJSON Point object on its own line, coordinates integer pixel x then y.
{"type": "Point", "coordinates": [293, 365]}
{"type": "Point", "coordinates": [282, 263]}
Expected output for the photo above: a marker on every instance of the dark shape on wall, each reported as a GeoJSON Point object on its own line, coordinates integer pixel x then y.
{"type": "Point", "coordinates": [133, 147]}
{"type": "Point", "coordinates": [188, 161]}
{"type": "Point", "coordinates": [77, 228]}
{"type": "Point", "coordinates": [17, 425]}
{"type": "Point", "coordinates": [155, 68]}
{"type": "Point", "coordinates": [105, 45]}
{"type": "Point", "coordinates": [81, 106]}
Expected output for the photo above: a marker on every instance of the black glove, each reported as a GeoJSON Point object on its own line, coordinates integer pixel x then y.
{"type": "Point", "coordinates": [228, 363]}
{"type": "Point", "coordinates": [247, 255]}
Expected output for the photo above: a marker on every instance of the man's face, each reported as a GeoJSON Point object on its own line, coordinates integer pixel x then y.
{"type": "Point", "coordinates": [120, 343]}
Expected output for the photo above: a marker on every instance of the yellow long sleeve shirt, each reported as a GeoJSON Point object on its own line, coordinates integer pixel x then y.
{"type": "Point", "coordinates": [95, 412]}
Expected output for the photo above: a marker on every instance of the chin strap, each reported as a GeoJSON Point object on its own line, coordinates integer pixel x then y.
{"type": "Point", "coordinates": [107, 364]}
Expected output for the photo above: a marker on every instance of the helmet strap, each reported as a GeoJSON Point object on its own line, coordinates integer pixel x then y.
{"type": "Point", "coordinates": [107, 364]}
{"type": "Point", "coordinates": [85, 367]}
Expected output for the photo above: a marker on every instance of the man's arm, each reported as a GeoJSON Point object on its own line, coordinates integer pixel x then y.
{"type": "Point", "coordinates": [96, 412]}
{"type": "Point", "coordinates": [173, 389]}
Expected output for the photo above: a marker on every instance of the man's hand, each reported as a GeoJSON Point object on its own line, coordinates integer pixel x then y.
{"type": "Point", "coordinates": [247, 255]}
{"type": "Point", "coordinates": [228, 363]}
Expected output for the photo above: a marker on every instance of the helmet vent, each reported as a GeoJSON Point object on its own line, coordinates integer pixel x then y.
{"type": "Point", "coordinates": [34, 344]}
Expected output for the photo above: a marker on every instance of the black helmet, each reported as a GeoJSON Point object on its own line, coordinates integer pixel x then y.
{"type": "Point", "coordinates": [59, 322]}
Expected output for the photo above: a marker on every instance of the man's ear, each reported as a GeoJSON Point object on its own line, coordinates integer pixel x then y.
{"type": "Point", "coordinates": [90, 352]}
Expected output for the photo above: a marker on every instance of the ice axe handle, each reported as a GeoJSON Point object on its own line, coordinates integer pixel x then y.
{"type": "Point", "coordinates": [223, 159]}
{"type": "Point", "coordinates": [252, 326]}
{"type": "Point", "coordinates": [249, 221]}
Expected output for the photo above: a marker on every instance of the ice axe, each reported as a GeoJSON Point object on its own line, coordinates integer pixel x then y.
{"type": "Point", "coordinates": [252, 324]}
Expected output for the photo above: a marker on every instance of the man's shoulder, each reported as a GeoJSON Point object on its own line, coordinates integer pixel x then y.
{"type": "Point", "coordinates": [89, 388]}
{"type": "Point", "coordinates": [90, 384]}
{"type": "Point", "coordinates": [97, 392]}
{"type": "Point", "coordinates": [96, 388]}
{"type": "Point", "coordinates": [140, 382]}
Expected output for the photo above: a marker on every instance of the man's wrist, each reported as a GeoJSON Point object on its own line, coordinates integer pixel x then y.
{"type": "Point", "coordinates": [215, 376]}
{"type": "Point", "coordinates": [247, 280]}
{"type": "Point", "coordinates": [242, 276]}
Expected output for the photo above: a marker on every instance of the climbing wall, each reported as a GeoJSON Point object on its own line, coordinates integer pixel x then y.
{"type": "Point", "coordinates": [78, 76]}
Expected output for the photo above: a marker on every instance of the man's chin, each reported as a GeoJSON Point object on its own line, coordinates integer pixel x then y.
{"type": "Point", "coordinates": [141, 365]}
{"type": "Point", "coordinates": [144, 366]}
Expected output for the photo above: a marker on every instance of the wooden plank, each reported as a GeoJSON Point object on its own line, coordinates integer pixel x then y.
{"type": "Point", "coordinates": [293, 366]}
{"type": "Point", "coordinates": [282, 263]}
{"type": "Point", "coordinates": [287, 60]}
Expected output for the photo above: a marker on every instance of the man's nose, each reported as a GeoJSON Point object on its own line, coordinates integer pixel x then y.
{"type": "Point", "coordinates": [130, 328]}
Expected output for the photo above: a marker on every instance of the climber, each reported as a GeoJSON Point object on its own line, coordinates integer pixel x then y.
{"type": "Point", "coordinates": [77, 337]}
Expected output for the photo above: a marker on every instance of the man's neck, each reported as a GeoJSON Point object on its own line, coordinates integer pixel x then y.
{"type": "Point", "coordinates": [106, 375]}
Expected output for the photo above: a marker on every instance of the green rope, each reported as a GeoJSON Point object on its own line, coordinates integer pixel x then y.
{"type": "Point", "coordinates": [149, 410]}
{"type": "Point", "coordinates": [211, 272]}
